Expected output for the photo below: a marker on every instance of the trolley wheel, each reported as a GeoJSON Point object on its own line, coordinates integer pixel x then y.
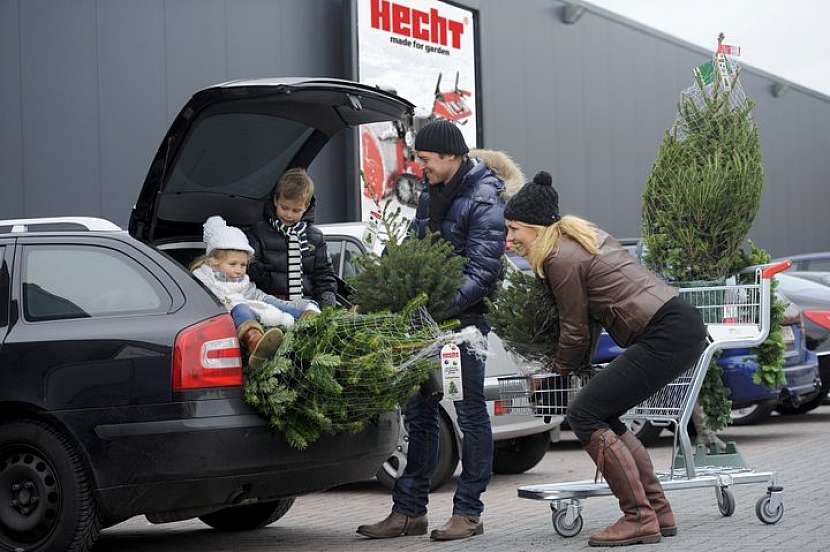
{"type": "Point", "coordinates": [766, 512]}
{"type": "Point", "coordinates": [561, 526]}
{"type": "Point", "coordinates": [726, 501]}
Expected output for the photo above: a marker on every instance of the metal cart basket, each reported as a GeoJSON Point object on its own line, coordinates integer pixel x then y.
{"type": "Point", "coordinates": [735, 316]}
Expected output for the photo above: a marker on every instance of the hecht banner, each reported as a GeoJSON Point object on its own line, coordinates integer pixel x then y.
{"type": "Point", "coordinates": [423, 50]}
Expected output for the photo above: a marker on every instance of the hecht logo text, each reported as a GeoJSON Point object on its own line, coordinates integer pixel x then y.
{"type": "Point", "coordinates": [420, 25]}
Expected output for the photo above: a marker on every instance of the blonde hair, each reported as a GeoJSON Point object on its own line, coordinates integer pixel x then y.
{"type": "Point", "coordinates": [547, 240]}
{"type": "Point", "coordinates": [216, 256]}
{"type": "Point", "coordinates": [294, 184]}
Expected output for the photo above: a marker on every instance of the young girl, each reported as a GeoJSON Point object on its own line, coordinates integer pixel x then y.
{"type": "Point", "coordinates": [223, 271]}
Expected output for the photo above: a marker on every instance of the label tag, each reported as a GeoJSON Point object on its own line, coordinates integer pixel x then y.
{"type": "Point", "coordinates": [451, 372]}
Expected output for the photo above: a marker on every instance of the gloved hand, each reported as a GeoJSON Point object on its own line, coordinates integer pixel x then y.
{"type": "Point", "coordinates": [554, 367]}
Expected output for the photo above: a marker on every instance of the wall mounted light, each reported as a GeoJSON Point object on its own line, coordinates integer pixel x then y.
{"type": "Point", "coordinates": [778, 89]}
{"type": "Point", "coordinates": [571, 13]}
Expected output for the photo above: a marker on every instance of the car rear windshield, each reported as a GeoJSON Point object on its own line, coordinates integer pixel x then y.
{"type": "Point", "coordinates": [236, 153]}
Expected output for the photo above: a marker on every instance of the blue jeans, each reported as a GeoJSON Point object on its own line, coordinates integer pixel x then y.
{"type": "Point", "coordinates": [242, 312]}
{"type": "Point", "coordinates": [411, 493]}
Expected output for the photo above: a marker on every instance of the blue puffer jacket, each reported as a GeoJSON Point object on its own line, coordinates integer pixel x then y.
{"type": "Point", "coordinates": [474, 224]}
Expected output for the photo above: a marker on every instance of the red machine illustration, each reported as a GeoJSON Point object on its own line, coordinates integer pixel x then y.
{"type": "Point", "coordinates": [389, 162]}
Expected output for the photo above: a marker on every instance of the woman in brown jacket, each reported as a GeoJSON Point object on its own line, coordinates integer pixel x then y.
{"type": "Point", "coordinates": [592, 276]}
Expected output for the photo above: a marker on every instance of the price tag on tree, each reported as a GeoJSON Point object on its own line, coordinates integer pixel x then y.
{"type": "Point", "coordinates": [451, 372]}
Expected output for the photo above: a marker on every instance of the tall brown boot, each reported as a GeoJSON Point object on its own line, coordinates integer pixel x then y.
{"type": "Point", "coordinates": [651, 485]}
{"type": "Point", "coordinates": [614, 461]}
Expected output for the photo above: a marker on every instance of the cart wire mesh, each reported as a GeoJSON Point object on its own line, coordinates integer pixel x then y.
{"type": "Point", "coordinates": [730, 312]}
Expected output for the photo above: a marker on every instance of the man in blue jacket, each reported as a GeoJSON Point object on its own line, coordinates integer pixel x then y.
{"type": "Point", "coordinates": [464, 203]}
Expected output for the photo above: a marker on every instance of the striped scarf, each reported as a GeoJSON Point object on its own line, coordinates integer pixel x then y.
{"type": "Point", "coordinates": [297, 245]}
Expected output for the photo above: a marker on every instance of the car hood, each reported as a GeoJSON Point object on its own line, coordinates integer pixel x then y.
{"type": "Point", "coordinates": [230, 143]}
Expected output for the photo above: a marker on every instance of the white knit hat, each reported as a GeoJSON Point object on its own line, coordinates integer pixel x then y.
{"type": "Point", "coordinates": [218, 235]}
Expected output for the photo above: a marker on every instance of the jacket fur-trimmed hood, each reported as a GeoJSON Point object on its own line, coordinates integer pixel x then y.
{"type": "Point", "coordinates": [504, 168]}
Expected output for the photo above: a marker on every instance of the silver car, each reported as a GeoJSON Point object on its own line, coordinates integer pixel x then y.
{"type": "Point", "coordinates": [520, 440]}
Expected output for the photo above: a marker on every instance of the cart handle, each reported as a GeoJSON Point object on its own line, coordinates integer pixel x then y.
{"type": "Point", "coordinates": [773, 269]}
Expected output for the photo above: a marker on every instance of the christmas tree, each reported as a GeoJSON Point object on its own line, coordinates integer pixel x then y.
{"type": "Point", "coordinates": [525, 316]}
{"type": "Point", "coordinates": [339, 370]}
{"type": "Point", "coordinates": [702, 196]}
{"type": "Point", "coordinates": [407, 268]}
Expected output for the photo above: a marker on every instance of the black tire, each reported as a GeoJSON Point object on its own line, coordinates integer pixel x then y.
{"type": "Point", "coordinates": [806, 407]}
{"type": "Point", "coordinates": [752, 414]}
{"type": "Point", "coordinates": [46, 495]}
{"type": "Point", "coordinates": [248, 517]}
{"type": "Point", "coordinates": [447, 459]}
{"type": "Point", "coordinates": [647, 433]}
{"type": "Point", "coordinates": [519, 455]}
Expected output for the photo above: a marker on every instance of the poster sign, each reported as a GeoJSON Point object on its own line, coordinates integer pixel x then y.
{"type": "Point", "coordinates": [424, 51]}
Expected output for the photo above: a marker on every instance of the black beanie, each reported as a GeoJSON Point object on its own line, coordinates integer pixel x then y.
{"type": "Point", "coordinates": [441, 136]}
{"type": "Point", "coordinates": [536, 203]}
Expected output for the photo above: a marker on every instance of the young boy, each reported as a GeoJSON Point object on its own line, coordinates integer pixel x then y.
{"type": "Point", "coordinates": [290, 258]}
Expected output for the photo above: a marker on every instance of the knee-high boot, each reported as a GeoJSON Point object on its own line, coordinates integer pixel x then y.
{"type": "Point", "coordinates": [639, 522]}
{"type": "Point", "coordinates": [651, 485]}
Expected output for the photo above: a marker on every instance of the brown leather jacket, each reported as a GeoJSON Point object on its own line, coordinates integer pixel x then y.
{"type": "Point", "coordinates": [612, 287]}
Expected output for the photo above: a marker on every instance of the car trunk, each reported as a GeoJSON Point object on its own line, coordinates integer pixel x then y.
{"type": "Point", "coordinates": [228, 146]}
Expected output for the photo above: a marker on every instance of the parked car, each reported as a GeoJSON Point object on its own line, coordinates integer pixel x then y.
{"type": "Point", "coordinates": [121, 375]}
{"type": "Point", "coordinates": [810, 292]}
{"type": "Point", "coordinates": [520, 440]}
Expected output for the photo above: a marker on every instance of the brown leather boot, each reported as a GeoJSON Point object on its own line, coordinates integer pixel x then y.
{"type": "Point", "coordinates": [249, 333]}
{"type": "Point", "coordinates": [651, 485]}
{"type": "Point", "coordinates": [395, 525]}
{"type": "Point", "coordinates": [458, 527]}
{"type": "Point", "coordinates": [614, 461]}
{"type": "Point", "coordinates": [261, 345]}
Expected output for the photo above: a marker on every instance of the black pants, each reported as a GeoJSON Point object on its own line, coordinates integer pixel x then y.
{"type": "Point", "coordinates": [670, 344]}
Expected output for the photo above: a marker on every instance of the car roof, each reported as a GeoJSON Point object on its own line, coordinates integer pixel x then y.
{"type": "Point", "coordinates": [18, 227]}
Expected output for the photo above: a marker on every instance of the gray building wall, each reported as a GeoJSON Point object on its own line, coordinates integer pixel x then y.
{"type": "Point", "coordinates": [88, 87]}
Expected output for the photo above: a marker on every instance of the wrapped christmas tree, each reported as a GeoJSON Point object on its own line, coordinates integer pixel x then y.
{"type": "Point", "coordinates": [702, 196]}
{"type": "Point", "coordinates": [339, 370]}
{"type": "Point", "coordinates": [525, 316]}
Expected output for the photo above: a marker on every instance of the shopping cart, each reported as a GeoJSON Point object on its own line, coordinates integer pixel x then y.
{"type": "Point", "coordinates": [735, 316]}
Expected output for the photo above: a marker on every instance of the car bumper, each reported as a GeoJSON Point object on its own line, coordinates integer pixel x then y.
{"type": "Point", "coordinates": [802, 380]}
{"type": "Point", "coordinates": [222, 455]}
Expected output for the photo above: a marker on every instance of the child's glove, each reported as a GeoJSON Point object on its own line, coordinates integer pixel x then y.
{"type": "Point", "coordinates": [286, 320]}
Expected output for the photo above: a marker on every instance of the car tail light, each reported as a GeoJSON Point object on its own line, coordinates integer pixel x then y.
{"type": "Point", "coordinates": [502, 407]}
{"type": "Point", "coordinates": [820, 317]}
{"type": "Point", "coordinates": [207, 355]}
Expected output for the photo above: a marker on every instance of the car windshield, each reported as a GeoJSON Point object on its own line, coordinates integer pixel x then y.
{"type": "Point", "coordinates": [237, 154]}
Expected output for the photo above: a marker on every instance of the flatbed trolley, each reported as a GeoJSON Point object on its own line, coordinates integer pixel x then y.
{"type": "Point", "coordinates": [735, 316]}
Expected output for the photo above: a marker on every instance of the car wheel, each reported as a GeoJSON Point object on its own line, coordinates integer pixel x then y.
{"type": "Point", "coordinates": [519, 455]}
{"type": "Point", "coordinates": [394, 466]}
{"type": "Point", "coordinates": [248, 517]}
{"type": "Point", "coordinates": [752, 414]}
{"type": "Point", "coordinates": [647, 433]}
{"type": "Point", "coordinates": [46, 497]}
{"type": "Point", "coordinates": [806, 407]}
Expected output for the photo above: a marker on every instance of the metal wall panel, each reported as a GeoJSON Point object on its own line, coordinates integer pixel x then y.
{"type": "Point", "coordinates": [11, 124]}
{"type": "Point", "coordinates": [133, 105]}
{"type": "Point", "coordinates": [59, 84]}
{"type": "Point", "coordinates": [88, 88]}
